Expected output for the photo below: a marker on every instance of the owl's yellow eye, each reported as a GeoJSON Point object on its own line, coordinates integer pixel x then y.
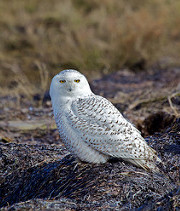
{"type": "Point", "coordinates": [62, 81]}
{"type": "Point", "coordinates": [77, 81]}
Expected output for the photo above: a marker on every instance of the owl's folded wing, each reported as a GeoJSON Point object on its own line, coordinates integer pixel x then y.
{"type": "Point", "coordinates": [103, 128]}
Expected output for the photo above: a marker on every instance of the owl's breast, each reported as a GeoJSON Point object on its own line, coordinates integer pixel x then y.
{"type": "Point", "coordinates": [62, 124]}
{"type": "Point", "coordinates": [65, 131]}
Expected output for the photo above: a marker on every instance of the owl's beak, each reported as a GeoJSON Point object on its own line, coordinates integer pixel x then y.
{"type": "Point", "coordinates": [70, 86]}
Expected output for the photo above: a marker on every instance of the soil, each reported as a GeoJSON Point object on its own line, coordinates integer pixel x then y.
{"type": "Point", "coordinates": [37, 172]}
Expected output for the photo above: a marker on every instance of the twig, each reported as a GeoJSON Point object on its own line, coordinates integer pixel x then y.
{"type": "Point", "coordinates": [146, 101]}
{"type": "Point", "coordinates": [171, 103]}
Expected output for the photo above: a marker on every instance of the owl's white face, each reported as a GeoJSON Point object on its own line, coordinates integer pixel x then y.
{"type": "Point", "coordinates": [69, 84]}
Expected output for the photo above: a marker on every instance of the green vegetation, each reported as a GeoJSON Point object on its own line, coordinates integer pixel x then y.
{"type": "Point", "coordinates": [41, 37]}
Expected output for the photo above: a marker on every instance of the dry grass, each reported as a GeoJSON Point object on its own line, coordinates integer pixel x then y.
{"type": "Point", "coordinates": [39, 37]}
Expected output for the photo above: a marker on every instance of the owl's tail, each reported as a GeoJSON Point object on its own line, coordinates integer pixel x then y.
{"type": "Point", "coordinates": [148, 165]}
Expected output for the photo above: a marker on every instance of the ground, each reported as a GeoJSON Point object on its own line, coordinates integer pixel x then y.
{"type": "Point", "coordinates": [37, 172]}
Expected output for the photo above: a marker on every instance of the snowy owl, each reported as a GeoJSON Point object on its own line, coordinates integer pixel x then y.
{"type": "Point", "coordinates": [92, 128]}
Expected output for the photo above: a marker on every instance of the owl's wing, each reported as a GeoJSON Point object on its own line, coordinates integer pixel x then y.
{"type": "Point", "coordinates": [103, 128]}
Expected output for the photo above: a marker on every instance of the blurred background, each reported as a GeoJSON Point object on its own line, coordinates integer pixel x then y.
{"type": "Point", "coordinates": [39, 38]}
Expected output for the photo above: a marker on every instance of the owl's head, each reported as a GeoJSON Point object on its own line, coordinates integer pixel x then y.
{"type": "Point", "coordinates": [69, 84]}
